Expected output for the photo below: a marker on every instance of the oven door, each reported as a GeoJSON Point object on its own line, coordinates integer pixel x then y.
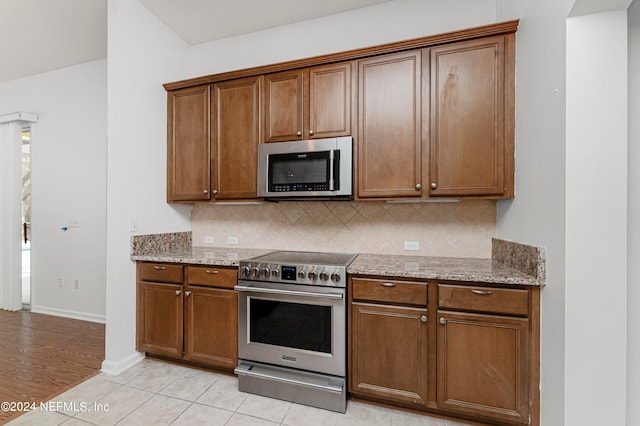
{"type": "Point", "coordinates": [296, 326]}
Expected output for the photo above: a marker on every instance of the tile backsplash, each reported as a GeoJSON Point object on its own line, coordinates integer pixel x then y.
{"type": "Point", "coordinates": [462, 229]}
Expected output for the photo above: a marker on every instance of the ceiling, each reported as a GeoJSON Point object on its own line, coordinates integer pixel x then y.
{"type": "Point", "coordinates": [37, 36]}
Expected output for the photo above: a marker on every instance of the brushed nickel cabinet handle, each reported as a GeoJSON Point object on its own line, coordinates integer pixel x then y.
{"type": "Point", "coordinates": [418, 186]}
{"type": "Point", "coordinates": [443, 321]}
{"type": "Point", "coordinates": [205, 191]}
{"type": "Point", "coordinates": [481, 292]}
{"type": "Point", "coordinates": [298, 133]}
{"type": "Point", "coordinates": [386, 284]}
{"type": "Point", "coordinates": [178, 292]}
{"type": "Point", "coordinates": [433, 185]}
{"type": "Point", "coordinates": [211, 271]}
{"type": "Point", "coordinates": [187, 293]}
{"type": "Point", "coordinates": [311, 132]}
{"type": "Point", "coordinates": [423, 318]}
{"type": "Point", "coordinates": [159, 268]}
{"type": "Point", "coordinates": [215, 191]}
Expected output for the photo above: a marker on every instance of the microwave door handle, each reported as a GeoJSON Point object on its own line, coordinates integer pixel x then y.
{"type": "Point", "coordinates": [331, 163]}
{"type": "Point", "coordinates": [336, 170]}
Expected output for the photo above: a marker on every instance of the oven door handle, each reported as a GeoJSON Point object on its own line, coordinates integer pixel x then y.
{"type": "Point", "coordinates": [334, 296]}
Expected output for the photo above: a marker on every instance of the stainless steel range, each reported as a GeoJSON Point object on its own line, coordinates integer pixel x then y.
{"type": "Point", "coordinates": [292, 327]}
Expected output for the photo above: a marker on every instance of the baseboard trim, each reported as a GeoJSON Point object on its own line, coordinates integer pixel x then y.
{"type": "Point", "coordinates": [116, 367]}
{"type": "Point", "coordinates": [84, 316]}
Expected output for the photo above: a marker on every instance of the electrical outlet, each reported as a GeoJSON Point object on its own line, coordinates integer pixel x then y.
{"type": "Point", "coordinates": [209, 240]}
{"type": "Point", "coordinates": [76, 284]}
{"type": "Point", "coordinates": [412, 245]}
{"type": "Point", "coordinates": [61, 282]}
{"type": "Point", "coordinates": [232, 240]}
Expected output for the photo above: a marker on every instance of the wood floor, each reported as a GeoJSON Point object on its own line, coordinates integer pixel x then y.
{"type": "Point", "coordinates": [42, 356]}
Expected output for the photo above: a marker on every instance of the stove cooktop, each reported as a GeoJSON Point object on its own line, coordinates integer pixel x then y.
{"type": "Point", "coordinates": [307, 257]}
{"type": "Point", "coordinates": [298, 267]}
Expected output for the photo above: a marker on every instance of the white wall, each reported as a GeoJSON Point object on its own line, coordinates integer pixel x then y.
{"type": "Point", "coordinates": [537, 215]}
{"type": "Point", "coordinates": [633, 213]}
{"type": "Point", "coordinates": [384, 23]}
{"type": "Point", "coordinates": [594, 223]}
{"type": "Point", "coordinates": [68, 183]}
{"type": "Point", "coordinates": [596, 219]}
{"type": "Point", "coordinates": [143, 53]}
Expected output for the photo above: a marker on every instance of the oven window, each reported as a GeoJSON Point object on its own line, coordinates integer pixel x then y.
{"type": "Point", "coordinates": [291, 325]}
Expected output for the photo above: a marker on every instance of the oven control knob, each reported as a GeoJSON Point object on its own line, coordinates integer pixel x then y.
{"type": "Point", "coordinates": [266, 272]}
{"type": "Point", "coordinates": [275, 272]}
{"type": "Point", "coordinates": [335, 277]}
{"type": "Point", "coordinates": [324, 276]}
{"type": "Point", "coordinates": [246, 271]}
{"type": "Point", "coordinates": [301, 275]}
{"type": "Point", "coordinates": [256, 271]}
{"type": "Point", "coordinates": [313, 275]}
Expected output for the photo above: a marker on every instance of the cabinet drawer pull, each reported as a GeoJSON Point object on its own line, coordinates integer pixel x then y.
{"type": "Point", "coordinates": [423, 318]}
{"type": "Point", "coordinates": [187, 293]}
{"type": "Point", "coordinates": [159, 268]}
{"type": "Point", "coordinates": [481, 292]}
{"type": "Point", "coordinates": [386, 284]}
{"type": "Point", "coordinates": [211, 271]}
{"type": "Point", "coordinates": [443, 321]}
{"type": "Point", "coordinates": [178, 292]}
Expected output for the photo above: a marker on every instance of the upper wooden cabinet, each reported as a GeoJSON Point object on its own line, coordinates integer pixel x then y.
{"type": "Point", "coordinates": [188, 173]}
{"type": "Point", "coordinates": [235, 135]}
{"type": "Point", "coordinates": [430, 117]}
{"type": "Point", "coordinates": [389, 158]}
{"type": "Point", "coordinates": [472, 116]}
{"type": "Point", "coordinates": [213, 141]}
{"type": "Point", "coordinates": [308, 103]}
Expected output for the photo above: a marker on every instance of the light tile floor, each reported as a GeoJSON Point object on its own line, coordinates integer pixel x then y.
{"type": "Point", "coordinates": [158, 393]}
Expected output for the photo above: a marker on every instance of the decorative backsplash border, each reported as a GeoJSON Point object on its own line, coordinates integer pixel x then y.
{"type": "Point", "coordinates": [154, 243]}
{"type": "Point", "coordinates": [530, 260]}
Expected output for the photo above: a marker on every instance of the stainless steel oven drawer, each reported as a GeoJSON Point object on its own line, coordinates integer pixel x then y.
{"type": "Point", "coordinates": [302, 387]}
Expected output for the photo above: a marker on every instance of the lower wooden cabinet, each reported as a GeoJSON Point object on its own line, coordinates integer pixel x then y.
{"type": "Point", "coordinates": [482, 365]}
{"type": "Point", "coordinates": [389, 354]}
{"type": "Point", "coordinates": [465, 350]}
{"type": "Point", "coordinates": [159, 324]}
{"type": "Point", "coordinates": [211, 326]}
{"type": "Point", "coordinates": [388, 341]}
{"type": "Point", "coordinates": [192, 318]}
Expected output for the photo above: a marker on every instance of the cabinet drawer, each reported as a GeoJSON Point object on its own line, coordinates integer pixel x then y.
{"type": "Point", "coordinates": [484, 299]}
{"type": "Point", "coordinates": [401, 292]}
{"type": "Point", "coordinates": [212, 276]}
{"type": "Point", "coordinates": [160, 272]}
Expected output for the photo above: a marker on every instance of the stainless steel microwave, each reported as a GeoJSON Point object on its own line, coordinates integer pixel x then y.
{"type": "Point", "coordinates": [320, 168]}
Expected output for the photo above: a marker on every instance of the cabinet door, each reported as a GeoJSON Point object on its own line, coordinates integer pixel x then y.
{"type": "Point", "coordinates": [211, 329]}
{"type": "Point", "coordinates": [468, 132]}
{"type": "Point", "coordinates": [283, 106]}
{"type": "Point", "coordinates": [159, 322]}
{"type": "Point", "coordinates": [483, 364]}
{"type": "Point", "coordinates": [389, 123]}
{"type": "Point", "coordinates": [235, 138]}
{"type": "Point", "coordinates": [188, 174]}
{"type": "Point", "coordinates": [329, 101]}
{"type": "Point", "coordinates": [388, 352]}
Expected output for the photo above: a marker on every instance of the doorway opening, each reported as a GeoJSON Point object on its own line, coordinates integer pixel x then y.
{"type": "Point", "coordinates": [26, 219]}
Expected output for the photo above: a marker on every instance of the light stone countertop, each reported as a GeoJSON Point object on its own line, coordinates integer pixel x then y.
{"type": "Point", "coordinates": [213, 256]}
{"type": "Point", "coordinates": [441, 268]}
{"type": "Point", "coordinates": [512, 263]}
